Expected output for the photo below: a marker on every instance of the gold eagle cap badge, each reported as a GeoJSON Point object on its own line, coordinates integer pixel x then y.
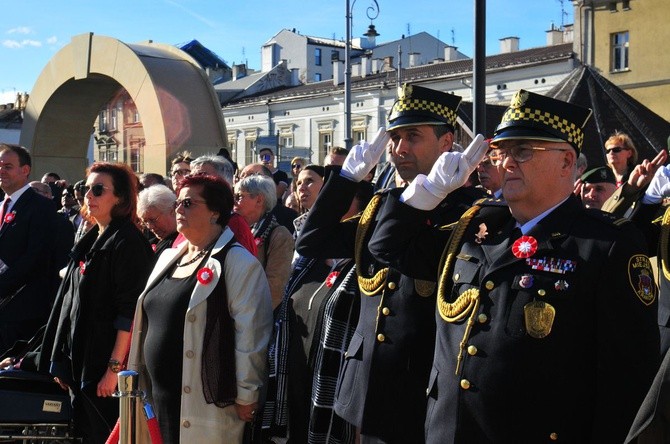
{"type": "Point", "coordinates": [404, 92]}
{"type": "Point", "coordinates": [519, 99]}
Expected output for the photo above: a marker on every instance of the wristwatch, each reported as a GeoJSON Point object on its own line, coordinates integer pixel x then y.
{"type": "Point", "coordinates": [114, 365]}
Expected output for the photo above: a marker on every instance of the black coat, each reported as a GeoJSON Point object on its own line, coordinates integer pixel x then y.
{"type": "Point", "coordinates": [97, 298]}
{"type": "Point", "coordinates": [585, 379]}
{"type": "Point", "coordinates": [382, 387]}
{"type": "Point", "coordinates": [26, 247]}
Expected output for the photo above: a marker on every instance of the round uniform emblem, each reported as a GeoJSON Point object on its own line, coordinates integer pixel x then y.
{"type": "Point", "coordinates": [524, 247]}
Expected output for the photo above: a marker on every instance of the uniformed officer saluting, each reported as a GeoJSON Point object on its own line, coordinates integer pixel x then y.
{"type": "Point", "coordinates": [545, 335]}
{"type": "Point", "coordinates": [382, 386]}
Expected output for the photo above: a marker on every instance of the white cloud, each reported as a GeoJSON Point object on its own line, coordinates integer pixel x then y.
{"type": "Point", "coordinates": [52, 40]}
{"type": "Point", "coordinates": [20, 30]}
{"type": "Point", "coordinates": [15, 44]}
{"type": "Point", "coordinates": [35, 43]}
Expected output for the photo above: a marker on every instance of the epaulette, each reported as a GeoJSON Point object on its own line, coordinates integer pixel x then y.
{"type": "Point", "coordinates": [605, 217]}
{"type": "Point", "coordinates": [491, 202]}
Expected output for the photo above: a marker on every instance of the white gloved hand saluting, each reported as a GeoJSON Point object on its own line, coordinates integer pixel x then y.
{"type": "Point", "coordinates": [450, 171]}
{"type": "Point", "coordinates": [363, 157]}
{"type": "Point", "coordinates": [659, 187]}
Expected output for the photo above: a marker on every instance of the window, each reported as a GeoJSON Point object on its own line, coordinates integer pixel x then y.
{"type": "Point", "coordinates": [250, 137]}
{"type": "Point", "coordinates": [325, 139]}
{"type": "Point", "coordinates": [317, 77]}
{"type": "Point", "coordinates": [136, 157]}
{"type": "Point", "coordinates": [620, 51]}
{"type": "Point", "coordinates": [613, 7]}
{"type": "Point", "coordinates": [625, 5]}
{"type": "Point", "coordinates": [317, 56]}
{"type": "Point", "coordinates": [102, 121]}
{"type": "Point", "coordinates": [112, 122]}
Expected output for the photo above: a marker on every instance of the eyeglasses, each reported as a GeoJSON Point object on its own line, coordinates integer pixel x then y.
{"type": "Point", "coordinates": [182, 172]}
{"type": "Point", "coordinates": [96, 189]}
{"type": "Point", "coordinates": [521, 153]}
{"type": "Point", "coordinates": [296, 165]}
{"type": "Point", "coordinates": [152, 221]}
{"type": "Point", "coordinates": [240, 196]}
{"type": "Point", "coordinates": [616, 149]}
{"type": "Point", "coordinates": [186, 203]}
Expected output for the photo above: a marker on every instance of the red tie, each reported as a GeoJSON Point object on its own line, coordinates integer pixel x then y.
{"type": "Point", "coordinates": [5, 205]}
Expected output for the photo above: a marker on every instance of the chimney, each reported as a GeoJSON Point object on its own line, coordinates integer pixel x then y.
{"type": "Point", "coordinates": [239, 71]}
{"type": "Point", "coordinates": [356, 70]}
{"type": "Point", "coordinates": [554, 36]}
{"type": "Point", "coordinates": [295, 77]}
{"type": "Point", "coordinates": [338, 72]}
{"type": "Point", "coordinates": [450, 53]}
{"type": "Point", "coordinates": [376, 63]}
{"type": "Point", "coordinates": [414, 59]}
{"type": "Point", "coordinates": [388, 63]}
{"type": "Point", "coordinates": [509, 44]}
{"type": "Point", "coordinates": [365, 65]}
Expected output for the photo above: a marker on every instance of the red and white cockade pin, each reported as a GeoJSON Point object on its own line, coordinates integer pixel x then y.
{"type": "Point", "coordinates": [524, 247]}
{"type": "Point", "coordinates": [153, 247]}
{"type": "Point", "coordinates": [9, 217]}
{"type": "Point", "coordinates": [82, 267]}
{"type": "Point", "coordinates": [205, 275]}
{"type": "Point", "coordinates": [332, 277]}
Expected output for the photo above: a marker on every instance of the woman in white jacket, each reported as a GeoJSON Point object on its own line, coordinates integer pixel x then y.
{"type": "Point", "coordinates": [202, 324]}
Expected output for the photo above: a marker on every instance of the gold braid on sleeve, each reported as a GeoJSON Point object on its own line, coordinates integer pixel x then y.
{"type": "Point", "coordinates": [369, 286]}
{"type": "Point", "coordinates": [665, 234]}
{"type": "Point", "coordinates": [466, 302]}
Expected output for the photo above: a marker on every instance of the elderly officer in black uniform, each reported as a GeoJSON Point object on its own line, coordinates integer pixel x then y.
{"type": "Point", "coordinates": [382, 388]}
{"type": "Point", "coordinates": [546, 310]}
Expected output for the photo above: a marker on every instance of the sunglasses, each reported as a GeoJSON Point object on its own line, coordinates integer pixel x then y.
{"type": "Point", "coordinates": [616, 149]}
{"type": "Point", "coordinates": [186, 203]}
{"type": "Point", "coordinates": [97, 190]}
{"type": "Point", "coordinates": [296, 165]}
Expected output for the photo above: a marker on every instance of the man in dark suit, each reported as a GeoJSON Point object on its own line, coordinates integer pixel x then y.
{"type": "Point", "coordinates": [546, 310]}
{"type": "Point", "coordinates": [26, 243]}
{"type": "Point", "coordinates": [382, 388]}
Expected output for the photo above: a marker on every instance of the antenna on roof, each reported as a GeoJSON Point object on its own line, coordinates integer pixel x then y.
{"type": "Point", "coordinates": [453, 37]}
{"type": "Point", "coordinates": [564, 14]}
{"type": "Point", "coordinates": [408, 33]}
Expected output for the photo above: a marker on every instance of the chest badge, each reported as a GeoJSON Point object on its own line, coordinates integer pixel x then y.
{"type": "Point", "coordinates": [524, 247]}
{"type": "Point", "coordinates": [539, 317]}
{"type": "Point", "coordinates": [481, 235]}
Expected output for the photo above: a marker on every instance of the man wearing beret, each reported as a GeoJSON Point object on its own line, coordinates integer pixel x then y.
{"type": "Point", "coordinates": [382, 386]}
{"type": "Point", "coordinates": [546, 310]}
{"type": "Point", "coordinates": [597, 185]}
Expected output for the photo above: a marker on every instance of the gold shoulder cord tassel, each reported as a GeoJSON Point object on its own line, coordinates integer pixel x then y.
{"type": "Point", "coordinates": [468, 301]}
{"type": "Point", "coordinates": [368, 286]}
{"type": "Point", "coordinates": [665, 234]}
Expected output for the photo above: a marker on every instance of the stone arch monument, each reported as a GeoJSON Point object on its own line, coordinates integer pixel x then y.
{"type": "Point", "coordinates": [176, 102]}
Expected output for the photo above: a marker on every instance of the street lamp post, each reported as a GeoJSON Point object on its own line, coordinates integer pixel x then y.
{"type": "Point", "coordinates": [372, 12]}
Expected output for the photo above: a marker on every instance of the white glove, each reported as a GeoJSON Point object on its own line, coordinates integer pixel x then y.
{"type": "Point", "coordinates": [659, 187]}
{"type": "Point", "coordinates": [363, 157]}
{"type": "Point", "coordinates": [450, 172]}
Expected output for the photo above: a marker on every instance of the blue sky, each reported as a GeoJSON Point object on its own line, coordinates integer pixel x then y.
{"type": "Point", "coordinates": [37, 29]}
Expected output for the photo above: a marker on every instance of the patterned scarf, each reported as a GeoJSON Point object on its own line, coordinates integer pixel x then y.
{"type": "Point", "coordinates": [263, 228]}
{"type": "Point", "coordinates": [275, 413]}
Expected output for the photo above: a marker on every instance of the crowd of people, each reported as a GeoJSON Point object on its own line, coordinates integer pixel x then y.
{"type": "Point", "coordinates": [499, 293]}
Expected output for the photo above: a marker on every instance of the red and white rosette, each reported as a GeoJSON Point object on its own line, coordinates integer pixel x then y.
{"type": "Point", "coordinates": [82, 267]}
{"type": "Point", "coordinates": [9, 217]}
{"type": "Point", "coordinates": [205, 275]}
{"type": "Point", "coordinates": [524, 247]}
{"type": "Point", "coordinates": [332, 277]}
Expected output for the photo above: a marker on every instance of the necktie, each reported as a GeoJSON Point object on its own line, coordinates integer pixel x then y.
{"type": "Point", "coordinates": [5, 205]}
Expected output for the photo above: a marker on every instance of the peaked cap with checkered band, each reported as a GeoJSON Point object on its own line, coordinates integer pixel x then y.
{"type": "Point", "coordinates": [417, 105]}
{"type": "Point", "coordinates": [536, 117]}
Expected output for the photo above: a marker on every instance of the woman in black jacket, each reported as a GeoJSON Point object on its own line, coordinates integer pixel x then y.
{"type": "Point", "coordinates": [88, 333]}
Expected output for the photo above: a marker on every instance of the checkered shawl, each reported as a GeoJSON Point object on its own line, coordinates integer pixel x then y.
{"type": "Point", "coordinates": [275, 412]}
{"type": "Point", "coordinates": [339, 316]}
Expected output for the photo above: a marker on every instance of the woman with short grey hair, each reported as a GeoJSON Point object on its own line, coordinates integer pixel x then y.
{"type": "Point", "coordinates": [155, 208]}
{"type": "Point", "coordinates": [255, 197]}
